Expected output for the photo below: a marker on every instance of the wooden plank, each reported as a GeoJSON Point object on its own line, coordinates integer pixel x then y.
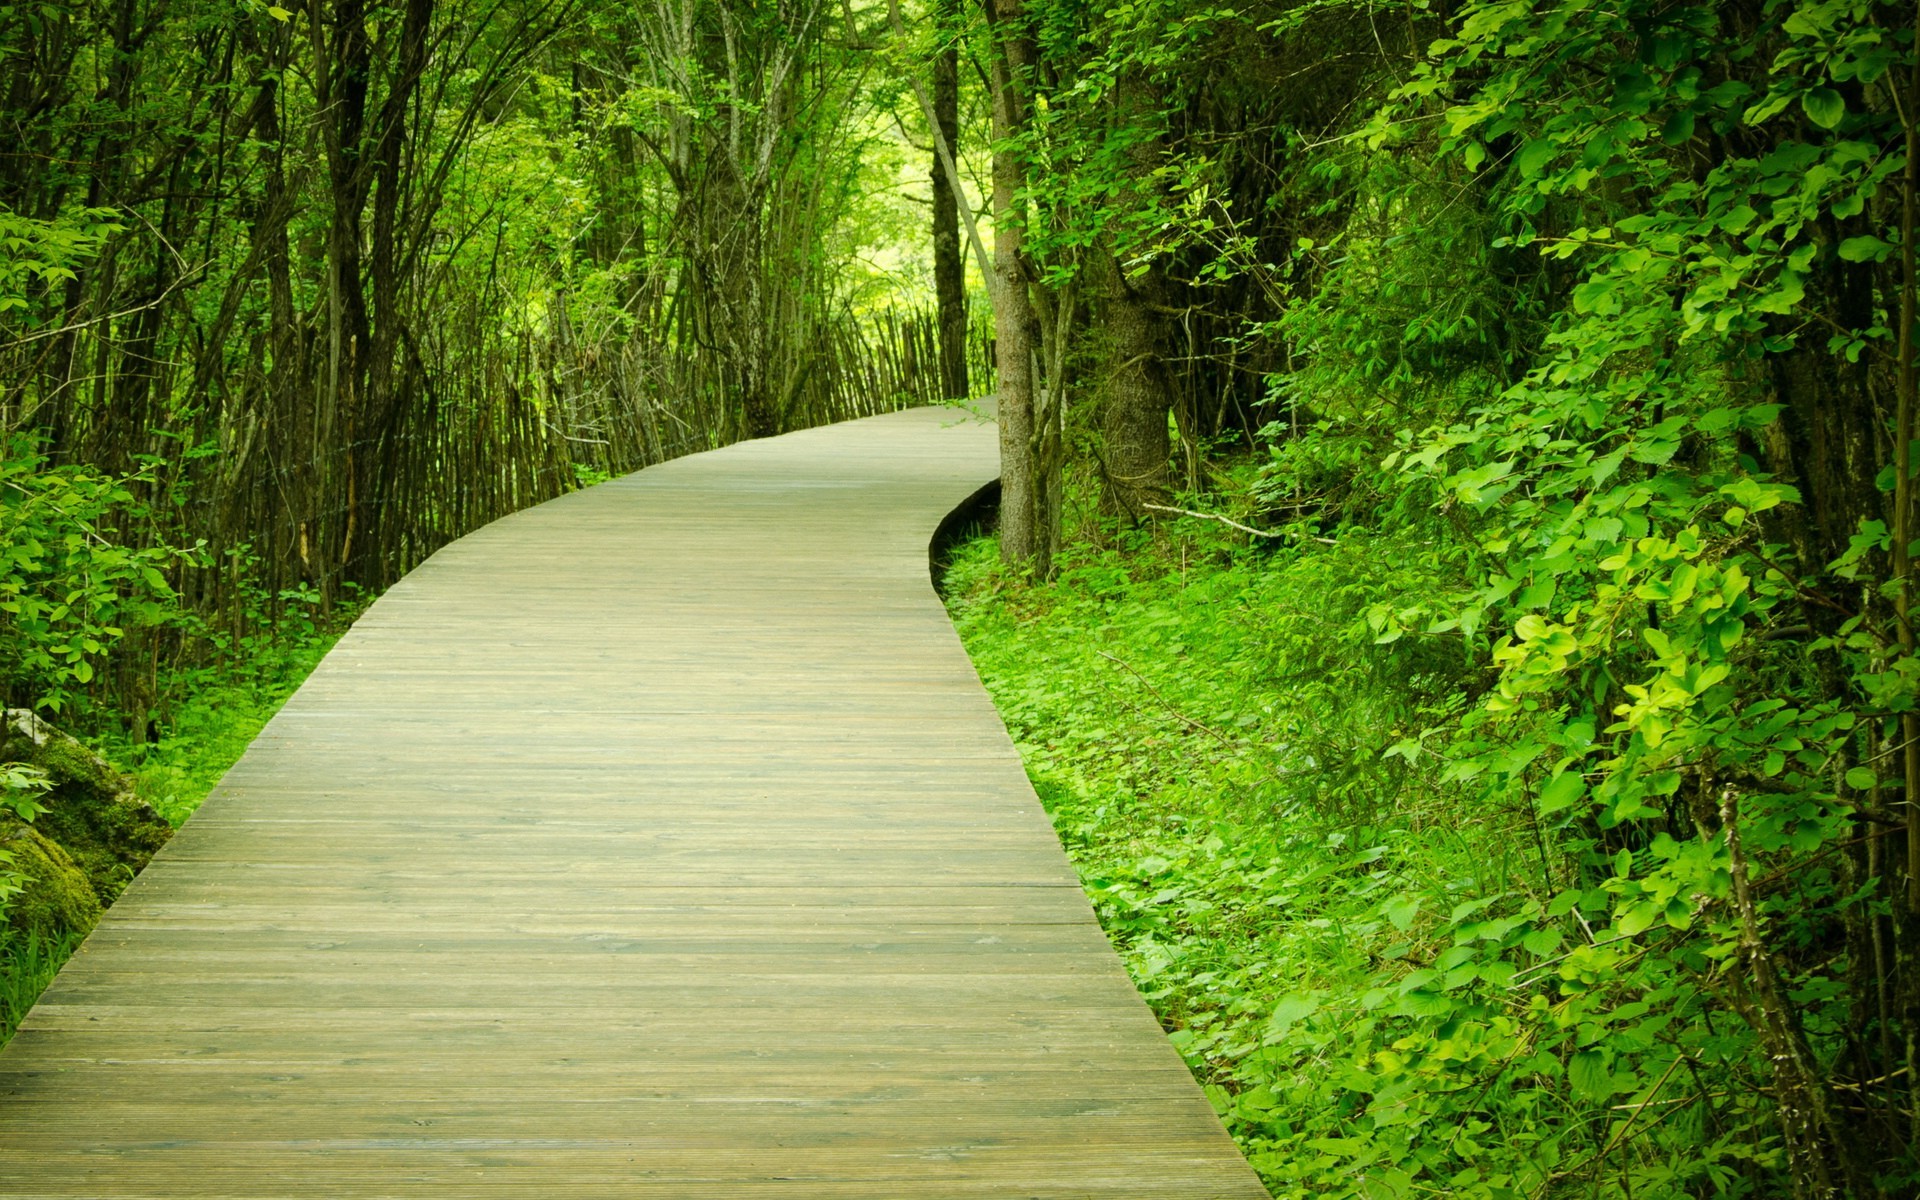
{"type": "Point", "coordinates": [658, 841]}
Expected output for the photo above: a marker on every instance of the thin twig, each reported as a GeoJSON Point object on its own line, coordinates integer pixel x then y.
{"type": "Point", "coordinates": [1183, 718]}
{"type": "Point", "coordinates": [1229, 521]}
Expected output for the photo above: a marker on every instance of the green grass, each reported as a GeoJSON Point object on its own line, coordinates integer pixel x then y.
{"type": "Point", "coordinates": [216, 710]}
{"type": "Point", "coordinates": [1191, 781]}
{"type": "Point", "coordinates": [28, 963]}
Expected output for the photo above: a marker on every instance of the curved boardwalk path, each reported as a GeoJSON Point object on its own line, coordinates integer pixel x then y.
{"type": "Point", "coordinates": [655, 842]}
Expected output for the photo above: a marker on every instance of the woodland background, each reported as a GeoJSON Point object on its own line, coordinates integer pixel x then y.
{"type": "Point", "coordinates": [1451, 575]}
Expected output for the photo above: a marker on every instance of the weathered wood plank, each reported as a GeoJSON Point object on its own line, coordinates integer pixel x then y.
{"type": "Point", "coordinates": [657, 841]}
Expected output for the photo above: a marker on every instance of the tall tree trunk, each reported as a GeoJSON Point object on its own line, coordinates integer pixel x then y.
{"type": "Point", "coordinates": [949, 272]}
{"type": "Point", "coordinates": [341, 78]}
{"type": "Point", "coordinates": [377, 422]}
{"type": "Point", "coordinates": [108, 164]}
{"type": "Point", "coordinates": [1139, 393]}
{"type": "Point", "coordinates": [1025, 536]}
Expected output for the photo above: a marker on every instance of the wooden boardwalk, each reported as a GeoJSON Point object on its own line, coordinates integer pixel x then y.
{"type": "Point", "coordinates": [658, 841]}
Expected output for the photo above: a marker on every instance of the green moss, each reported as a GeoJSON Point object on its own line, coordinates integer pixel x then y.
{"type": "Point", "coordinates": [109, 842]}
{"type": "Point", "coordinates": [91, 811]}
{"type": "Point", "coordinates": [71, 765]}
{"type": "Point", "coordinates": [59, 898]}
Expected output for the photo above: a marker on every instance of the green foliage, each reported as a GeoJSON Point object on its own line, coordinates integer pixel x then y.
{"type": "Point", "coordinates": [21, 785]}
{"type": "Point", "coordinates": [12, 883]}
{"type": "Point", "coordinates": [69, 589]}
{"type": "Point", "coordinates": [215, 709]}
{"type": "Point", "coordinates": [20, 790]}
{"type": "Point", "coordinates": [1581, 324]}
{"type": "Point", "coordinates": [37, 256]}
{"type": "Point", "coordinates": [1681, 268]}
{"type": "Point", "coordinates": [1102, 176]}
{"type": "Point", "coordinates": [28, 963]}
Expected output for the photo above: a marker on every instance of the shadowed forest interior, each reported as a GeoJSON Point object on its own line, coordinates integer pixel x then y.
{"type": "Point", "coordinates": [1451, 578]}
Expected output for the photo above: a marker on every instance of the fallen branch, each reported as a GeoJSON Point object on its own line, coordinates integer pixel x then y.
{"type": "Point", "coordinates": [1229, 521]}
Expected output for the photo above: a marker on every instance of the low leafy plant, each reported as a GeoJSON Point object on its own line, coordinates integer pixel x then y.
{"type": "Point", "coordinates": [21, 785]}
{"type": "Point", "coordinates": [69, 588]}
{"type": "Point", "coordinates": [37, 257]}
{"type": "Point", "coordinates": [213, 710]}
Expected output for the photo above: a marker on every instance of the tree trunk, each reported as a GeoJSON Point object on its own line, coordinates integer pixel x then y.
{"type": "Point", "coordinates": [949, 272]}
{"type": "Point", "coordinates": [1138, 398]}
{"type": "Point", "coordinates": [377, 422]}
{"type": "Point", "coordinates": [341, 78]}
{"type": "Point", "coordinates": [1023, 536]}
{"type": "Point", "coordinates": [1139, 394]}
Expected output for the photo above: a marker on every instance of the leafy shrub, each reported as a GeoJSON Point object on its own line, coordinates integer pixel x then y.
{"type": "Point", "coordinates": [69, 590]}
{"type": "Point", "coordinates": [37, 256]}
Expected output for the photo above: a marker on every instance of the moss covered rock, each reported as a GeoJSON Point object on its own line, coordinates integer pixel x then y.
{"type": "Point", "coordinates": [59, 896]}
{"type": "Point", "coordinates": [93, 816]}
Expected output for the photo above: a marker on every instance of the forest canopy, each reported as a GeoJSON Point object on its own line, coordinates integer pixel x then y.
{"type": "Point", "coordinates": [1531, 385]}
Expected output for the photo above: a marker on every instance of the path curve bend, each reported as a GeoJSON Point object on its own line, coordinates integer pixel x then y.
{"type": "Point", "coordinates": [658, 841]}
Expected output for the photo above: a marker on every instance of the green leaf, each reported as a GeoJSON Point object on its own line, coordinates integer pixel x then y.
{"type": "Point", "coordinates": [1401, 910]}
{"type": "Point", "coordinates": [1635, 919]}
{"type": "Point", "coordinates": [1823, 106]}
{"type": "Point", "coordinates": [1789, 291]}
{"type": "Point", "coordinates": [1533, 156]}
{"type": "Point", "coordinates": [1678, 914]}
{"type": "Point", "coordinates": [1587, 1072]}
{"type": "Point", "coordinates": [1865, 249]}
{"type": "Point", "coordinates": [1425, 1004]}
{"type": "Point", "coordinates": [1860, 779]}
{"type": "Point", "coordinates": [1596, 296]}
{"type": "Point", "coordinates": [1290, 1011]}
{"type": "Point", "coordinates": [1542, 941]}
{"type": "Point", "coordinates": [1562, 791]}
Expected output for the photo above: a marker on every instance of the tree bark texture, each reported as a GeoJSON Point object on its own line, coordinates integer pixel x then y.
{"type": "Point", "coordinates": [1139, 389]}
{"type": "Point", "coordinates": [1139, 397]}
{"type": "Point", "coordinates": [1023, 535]}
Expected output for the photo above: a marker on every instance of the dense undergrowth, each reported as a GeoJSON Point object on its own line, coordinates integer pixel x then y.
{"type": "Point", "coordinates": [1376, 974]}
